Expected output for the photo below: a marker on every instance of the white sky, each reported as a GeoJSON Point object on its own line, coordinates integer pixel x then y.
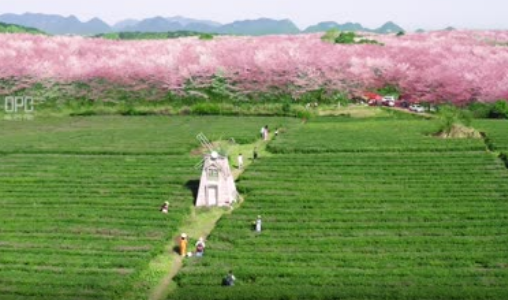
{"type": "Point", "coordinates": [410, 14]}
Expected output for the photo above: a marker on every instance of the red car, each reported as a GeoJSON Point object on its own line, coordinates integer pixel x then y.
{"type": "Point", "coordinates": [372, 99]}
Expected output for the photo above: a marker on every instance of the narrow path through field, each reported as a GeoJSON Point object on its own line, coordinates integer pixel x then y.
{"type": "Point", "coordinates": [201, 222]}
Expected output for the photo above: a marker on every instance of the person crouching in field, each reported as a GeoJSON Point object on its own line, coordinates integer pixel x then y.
{"type": "Point", "coordinates": [229, 280]}
{"type": "Point", "coordinates": [200, 247]}
{"type": "Point", "coordinates": [165, 207]}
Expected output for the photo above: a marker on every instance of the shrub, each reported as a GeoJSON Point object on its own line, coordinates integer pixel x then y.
{"type": "Point", "coordinates": [451, 116]}
{"type": "Point", "coordinates": [206, 36]}
{"type": "Point", "coordinates": [300, 112]}
{"type": "Point", "coordinates": [480, 109]}
{"type": "Point", "coordinates": [206, 109]}
{"type": "Point", "coordinates": [351, 38]}
{"type": "Point", "coordinates": [185, 110]}
{"type": "Point", "coordinates": [345, 38]}
{"type": "Point", "coordinates": [330, 35]}
{"type": "Point", "coordinates": [504, 158]}
{"type": "Point", "coordinates": [84, 113]}
{"type": "Point", "coordinates": [500, 110]}
{"type": "Point", "coordinates": [286, 108]}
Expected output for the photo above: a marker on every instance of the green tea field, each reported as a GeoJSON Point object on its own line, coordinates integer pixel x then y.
{"type": "Point", "coordinates": [352, 208]}
{"type": "Point", "coordinates": [408, 216]}
{"type": "Point", "coordinates": [79, 199]}
{"type": "Point", "coordinates": [496, 131]}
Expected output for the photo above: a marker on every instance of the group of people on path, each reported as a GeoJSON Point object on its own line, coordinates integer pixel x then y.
{"type": "Point", "coordinates": [229, 279]}
{"type": "Point", "coordinates": [239, 160]}
{"type": "Point", "coordinates": [199, 246]}
{"type": "Point", "coordinates": [265, 133]}
{"type": "Point", "coordinates": [265, 136]}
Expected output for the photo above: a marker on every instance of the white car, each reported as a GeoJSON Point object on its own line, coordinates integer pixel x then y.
{"type": "Point", "coordinates": [416, 108]}
{"type": "Point", "coordinates": [388, 101]}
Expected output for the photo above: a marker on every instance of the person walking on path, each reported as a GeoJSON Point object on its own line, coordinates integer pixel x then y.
{"type": "Point", "coordinates": [265, 135]}
{"type": "Point", "coordinates": [200, 247]}
{"type": "Point", "coordinates": [240, 161]}
{"type": "Point", "coordinates": [183, 244]}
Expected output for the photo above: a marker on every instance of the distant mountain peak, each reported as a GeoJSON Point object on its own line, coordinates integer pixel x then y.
{"type": "Point", "coordinates": [260, 26]}
{"type": "Point", "coordinates": [325, 26]}
{"type": "Point", "coordinates": [389, 27]}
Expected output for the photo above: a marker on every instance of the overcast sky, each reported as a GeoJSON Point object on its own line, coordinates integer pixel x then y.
{"type": "Point", "coordinates": [410, 14]}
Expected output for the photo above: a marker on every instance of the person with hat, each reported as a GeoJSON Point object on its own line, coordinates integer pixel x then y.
{"type": "Point", "coordinates": [200, 247]}
{"type": "Point", "coordinates": [183, 244]}
{"type": "Point", "coordinates": [165, 207]}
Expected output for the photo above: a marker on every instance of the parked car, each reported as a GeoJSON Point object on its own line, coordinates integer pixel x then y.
{"type": "Point", "coordinates": [372, 99]}
{"type": "Point", "coordinates": [416, 108]}
{"type": "Point", "coordinates": [372, 102]}
{"type": "Point", "coordinates": [402, 103]}
{"type": "Point", "coordinates": [406, 99]}
{"type": "Point", "coordinates": [388, 101]}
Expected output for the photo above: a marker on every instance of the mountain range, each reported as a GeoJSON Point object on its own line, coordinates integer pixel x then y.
{"type": "Point", "coordinates": [56, 24]}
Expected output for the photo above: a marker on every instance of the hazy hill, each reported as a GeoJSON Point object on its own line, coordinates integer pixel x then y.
{"type": "Point", "coordinates": [388, 27]}
{"type": "Point", "coordinates": [156, 24]}
{"type": "Point", "coordinates": [12, 28]}
{"type": "Point", "coordinates": [121, 25]}
{"type": "Point", "coordinates": [325, 26]}
{"type": "Point", "coordinates": [261, 26]}
{"type": "Point", "coordinates": [161, 24]}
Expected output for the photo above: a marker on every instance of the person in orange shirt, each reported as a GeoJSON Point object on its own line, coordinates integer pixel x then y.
{"type": "Point", "coordinates": [183, 244]}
